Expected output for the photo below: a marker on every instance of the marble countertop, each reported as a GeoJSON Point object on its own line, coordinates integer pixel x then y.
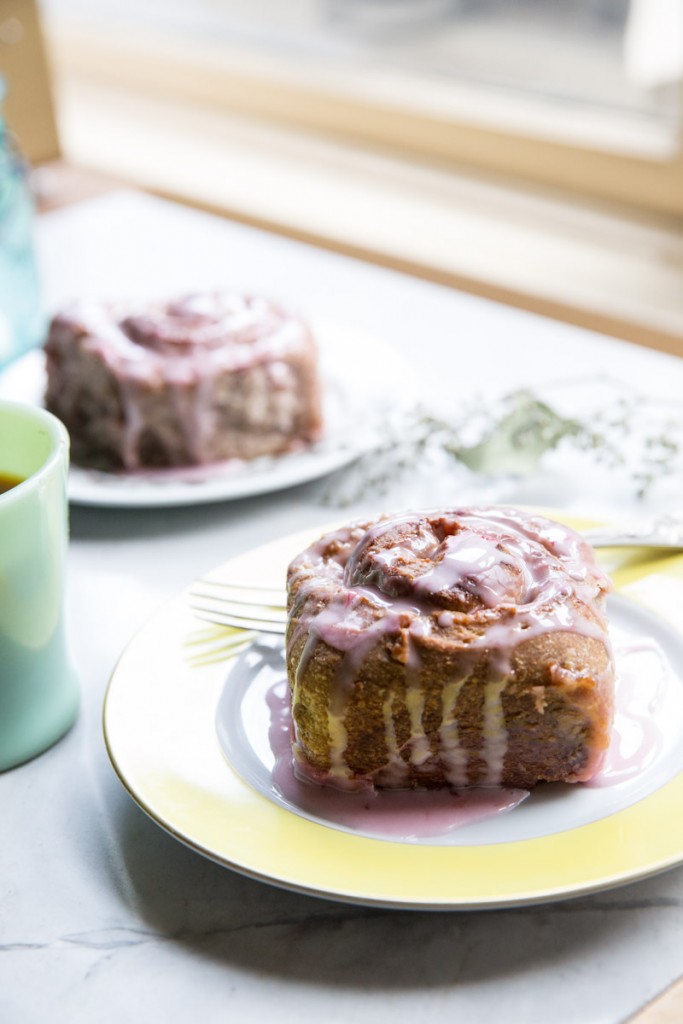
{"type": "Point", "coordinates": [103, 916]}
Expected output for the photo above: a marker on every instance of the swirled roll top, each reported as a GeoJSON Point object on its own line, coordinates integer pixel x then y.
{"type": "Point", "coordinates": [476, 563]}
{"type": "Point", "coordinates": [200, 331]}
{"type": "Point", "coordinates": [204, 321]}
{"type": "Point", "coordinates": [477, 598]}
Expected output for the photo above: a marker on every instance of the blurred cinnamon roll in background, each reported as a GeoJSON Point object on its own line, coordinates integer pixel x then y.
{"type": "Point", "coordinates": [197, 380]}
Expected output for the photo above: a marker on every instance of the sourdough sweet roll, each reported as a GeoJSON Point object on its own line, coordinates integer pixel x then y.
{"type": "Point", "coordinates": [463, 647]}
{"type": "Point", "coordinates": [201, 379]}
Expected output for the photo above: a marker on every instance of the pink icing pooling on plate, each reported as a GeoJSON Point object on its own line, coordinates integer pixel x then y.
{"type": "Point", "coordinates": [505, 577]}
{"type": "Point", "coordinates": [636, 735]}
{"type": "Point", "coordinates": [420, 814]}
{"type": "Point", "coordinates": [393, 814]}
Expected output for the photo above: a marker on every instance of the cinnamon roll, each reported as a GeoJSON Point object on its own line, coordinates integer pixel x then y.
{"type": "Point", "coordinates": [463, 647]}
{"type": "Point", "coordinates": [197, 380]}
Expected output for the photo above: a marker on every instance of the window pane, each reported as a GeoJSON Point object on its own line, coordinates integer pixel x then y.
{"type": "Point", "coordinates": [585, 52]}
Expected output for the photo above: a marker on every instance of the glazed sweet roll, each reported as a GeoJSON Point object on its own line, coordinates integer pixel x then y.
{"type": "Point", "coordinates": [198, 380]}
{"type": "Point", "coordinates": [463, 647]}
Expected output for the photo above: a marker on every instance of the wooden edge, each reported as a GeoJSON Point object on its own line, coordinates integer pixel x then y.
{"type": "Point", "coordinates": [666, 1008]}
{"type": "Point", "coordinates": [28, 105]}
{"type": "Point", "coordinates": [379, 114]}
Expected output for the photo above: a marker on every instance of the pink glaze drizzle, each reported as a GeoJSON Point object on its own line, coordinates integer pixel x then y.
{"type": "Point", "coordinates": [394, 814]}
{"type": "Point", "coordinates": [637, 740]}
{"type": "Point", "coordinates": [506, 575]}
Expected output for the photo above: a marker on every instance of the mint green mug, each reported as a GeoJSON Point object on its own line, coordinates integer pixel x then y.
{"type": "Point", "coordinates": [38, 688]}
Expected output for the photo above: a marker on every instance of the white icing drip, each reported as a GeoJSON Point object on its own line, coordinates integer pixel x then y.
{"type": "Point", "coordinates": [133, 423]}
{"type": "Point", "coordinates": [420, 750]}
{"type": "Point", "coordinates": [494, 732]}
{"type": "Point", "coordinates": [202, 418]}
{"type": "Point", "coordinates": [452, 754]}
{"type": "Point", "coordinates": [296, 686]}
{"type": "Point", "coordinates": [394, 772]}
{"type": "Point", "coordinates": [338, 742]}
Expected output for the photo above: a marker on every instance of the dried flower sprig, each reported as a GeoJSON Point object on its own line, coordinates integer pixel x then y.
{"type": "Point", "coordinates": [513, 436]}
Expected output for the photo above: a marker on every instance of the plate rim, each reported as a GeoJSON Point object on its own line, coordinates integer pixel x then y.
{"type": "Point", "coordinates": [540, 898]}
{"type": "Point", "coordinates": [628, 583]}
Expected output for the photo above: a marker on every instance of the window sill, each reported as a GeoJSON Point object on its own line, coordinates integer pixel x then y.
{"type": "Point", "coordinates": [592, 265]}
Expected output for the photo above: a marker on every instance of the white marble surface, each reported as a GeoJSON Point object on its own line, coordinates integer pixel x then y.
{"type": "Point", "coordinates": [104, 917]}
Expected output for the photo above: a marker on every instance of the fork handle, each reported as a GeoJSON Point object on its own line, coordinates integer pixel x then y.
{"type": "Point", "coordinates": [605, 539]}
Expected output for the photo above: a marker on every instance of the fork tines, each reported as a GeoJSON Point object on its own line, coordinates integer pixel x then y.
{"type": "Point", "coordinates": [244, 593]}
{"type": "Point", "coordinates": [242, 606]}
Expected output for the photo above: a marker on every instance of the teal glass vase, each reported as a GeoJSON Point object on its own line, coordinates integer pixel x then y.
{"type": "Point", "coordinates": [21, 317]}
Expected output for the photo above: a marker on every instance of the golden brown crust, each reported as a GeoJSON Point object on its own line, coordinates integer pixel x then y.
{"type": "Point", "coordinates": [444, 704]}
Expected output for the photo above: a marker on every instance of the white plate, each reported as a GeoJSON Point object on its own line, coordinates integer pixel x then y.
{"type": "Point", "coordinates": [213, 789]}
{"type": "Point", "coordinates": [364, 381]}
{"type": "Point", "coordinates": [646, 750]}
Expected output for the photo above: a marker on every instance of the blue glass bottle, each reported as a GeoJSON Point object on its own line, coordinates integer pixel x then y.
{"type": "Point", "coordinates": [21, 318]}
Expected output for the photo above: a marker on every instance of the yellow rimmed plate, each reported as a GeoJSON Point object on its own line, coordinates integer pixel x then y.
{"type": "Point", "coordinates": [160, 731]}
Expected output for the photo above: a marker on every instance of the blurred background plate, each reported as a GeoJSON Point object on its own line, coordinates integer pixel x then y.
{"type": "Point", "coordinates": [365, 381]}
